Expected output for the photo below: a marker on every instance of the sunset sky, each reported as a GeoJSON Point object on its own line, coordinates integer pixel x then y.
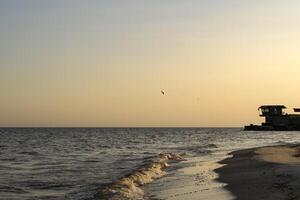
{"type": "Point", "coordinates": [104, 63]}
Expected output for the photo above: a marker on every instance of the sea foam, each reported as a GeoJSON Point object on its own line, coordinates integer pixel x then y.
{"type": "Point", "coordinates": [129, 187]}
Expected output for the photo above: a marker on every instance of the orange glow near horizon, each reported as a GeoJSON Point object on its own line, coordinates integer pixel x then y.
{"type": "Point", "coordinates": [217, 62]}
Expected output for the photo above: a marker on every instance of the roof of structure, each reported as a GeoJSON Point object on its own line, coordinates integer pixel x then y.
{"type": "Point", "coordinates": [272, 106]}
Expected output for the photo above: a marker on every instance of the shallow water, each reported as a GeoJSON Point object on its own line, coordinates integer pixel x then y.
{"type": "Point", "coordinates": [74, 163]}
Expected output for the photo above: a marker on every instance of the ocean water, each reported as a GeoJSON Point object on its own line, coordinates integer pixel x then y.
{"type": "Point", "coordinates": [75, 163]}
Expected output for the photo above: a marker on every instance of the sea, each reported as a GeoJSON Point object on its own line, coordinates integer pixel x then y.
{"type": "Point", "coordinates": [77, 163]}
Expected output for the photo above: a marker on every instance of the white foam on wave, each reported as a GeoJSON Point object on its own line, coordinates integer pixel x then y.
{"type": "Point", "coordinates": [129, 187]}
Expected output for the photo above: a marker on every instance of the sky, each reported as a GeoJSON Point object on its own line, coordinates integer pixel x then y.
{"type": "Point", "coordinates": [104, 63]}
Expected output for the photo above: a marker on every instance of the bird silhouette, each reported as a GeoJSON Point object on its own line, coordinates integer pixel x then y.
{"type": "Point", "coordinates": [162, 92]}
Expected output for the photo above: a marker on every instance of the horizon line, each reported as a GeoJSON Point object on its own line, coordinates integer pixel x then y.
{"type": "Point", "coordinates": [116, 127]}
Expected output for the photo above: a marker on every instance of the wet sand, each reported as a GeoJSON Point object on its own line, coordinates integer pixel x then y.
{"type": "Point", "coordinates": [195, 181]}
{"type": "Point", "coordinates": [267, 173]}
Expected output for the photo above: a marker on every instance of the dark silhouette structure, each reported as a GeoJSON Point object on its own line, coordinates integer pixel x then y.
{"type": "Point", "coordinates": [276, 119]}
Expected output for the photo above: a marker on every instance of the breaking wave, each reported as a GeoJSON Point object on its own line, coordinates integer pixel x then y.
{"type": "Point", "coordinates": [129, 187]}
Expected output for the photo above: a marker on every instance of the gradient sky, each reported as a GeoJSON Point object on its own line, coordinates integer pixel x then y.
{"type": "Point", "coordinates": [103, 63]}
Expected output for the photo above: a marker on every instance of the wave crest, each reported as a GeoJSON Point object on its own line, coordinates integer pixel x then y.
{"type": "Point", "coordinates": [129, 188]}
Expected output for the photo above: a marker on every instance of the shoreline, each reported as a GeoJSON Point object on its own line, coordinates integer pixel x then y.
{"type": "Point", "coordinates": [269, 173]}
{"type": "Point", "coordinates": [260, 173]}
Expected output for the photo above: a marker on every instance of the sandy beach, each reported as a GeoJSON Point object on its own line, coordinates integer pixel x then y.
{"type": "Point", "coordinates": [262, 173]}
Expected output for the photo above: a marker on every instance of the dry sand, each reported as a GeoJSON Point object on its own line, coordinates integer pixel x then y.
{"type": "Point", "coordinates": [267, 173]}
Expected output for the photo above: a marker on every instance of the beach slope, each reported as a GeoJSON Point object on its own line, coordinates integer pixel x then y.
{"type": "Point", "coordinates": [267, 173]}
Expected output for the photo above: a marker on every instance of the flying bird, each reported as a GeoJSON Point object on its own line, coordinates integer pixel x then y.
{"type": "Point", "coordinates": [162, 92]}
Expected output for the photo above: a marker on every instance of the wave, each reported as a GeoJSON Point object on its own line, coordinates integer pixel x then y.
{"type": "Point", "coordinates": [211, 146]}
{"type": "Point", "coordinates": [11, 189]}
{"type": "Point", "coordinates": [31, 153]}
{"type": "Point", "coordinates": [282, 143]}
{"type": "Point", "coordinates": [194, 149]}
{"type": "Point", "coordinates": [129, 187]}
